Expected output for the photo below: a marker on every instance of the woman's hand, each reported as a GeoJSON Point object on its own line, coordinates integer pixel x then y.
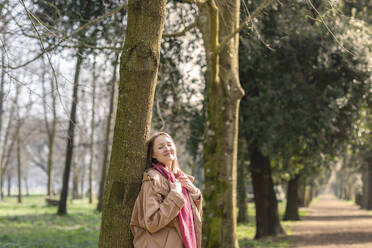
{"type": "Point", "coordinates": [176, 186]}
{"type": "Point", "coordinates": [185, 182]}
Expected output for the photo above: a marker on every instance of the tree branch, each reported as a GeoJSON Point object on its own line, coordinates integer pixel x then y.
{"type": "Point", "coordinates": [246, 22]}
{"type": "Point", "coordinates": [112, 12]}
{"type": "Point", "coordinates": [194, 1]}
{"type": "Point", "coordinates": [183, 32]}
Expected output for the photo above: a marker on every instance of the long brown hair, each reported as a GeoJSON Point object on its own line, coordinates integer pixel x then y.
{"type": "Point", "coordinates": [150, 151]}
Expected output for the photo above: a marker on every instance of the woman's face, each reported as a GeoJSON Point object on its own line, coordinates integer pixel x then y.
{"type": "Point", "coordinates": [164, 150]}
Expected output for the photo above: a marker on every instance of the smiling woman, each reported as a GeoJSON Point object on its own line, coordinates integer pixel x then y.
{"type": "Point", "coordinates": [167, 212]}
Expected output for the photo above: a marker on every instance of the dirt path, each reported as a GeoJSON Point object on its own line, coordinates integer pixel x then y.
{"type": "Point", "coordinates": [330, 223]}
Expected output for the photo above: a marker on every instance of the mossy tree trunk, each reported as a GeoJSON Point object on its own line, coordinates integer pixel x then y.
{"type": "Point", "coordinates": [138, 74]}
{"type": "Point", "coordinates": [217, 19]}
{"type": "Point", "coordinates": [291, 210]}
{"type": "Point", "coordinates": [267, 217]}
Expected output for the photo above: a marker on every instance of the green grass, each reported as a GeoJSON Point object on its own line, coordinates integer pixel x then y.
{"type": "Point", "coordinates": [246, 232]}
{"type": "Point", "coordinates": [34, 225]}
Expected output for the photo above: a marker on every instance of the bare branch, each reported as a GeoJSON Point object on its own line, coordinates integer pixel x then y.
{"type": "Point", "coordinates": [327, 27]}
{"type": "Point", "coordinates": [114, 48]}
{"type": "Point", "coordinates": [43, 49]}
{"type": "Point", "coordinates": [73, 33]}
{"type": "Point", "coordinates": [194, 1]}
{"type": "Point", "coordinates": [183, 32]}
{"type": "Point", "coordinates": [246, 22]}
{"type": "Point", "coordinates": [112, 12]}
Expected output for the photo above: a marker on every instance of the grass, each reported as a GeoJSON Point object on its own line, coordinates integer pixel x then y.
{"type": "Point", "coordinates": [32, 224]}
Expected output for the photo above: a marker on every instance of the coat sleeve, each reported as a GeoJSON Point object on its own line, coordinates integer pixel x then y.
{"type": "Point", "coordinates": [158, 212]}
{"type": "Point", "coordinates": [197, 197]}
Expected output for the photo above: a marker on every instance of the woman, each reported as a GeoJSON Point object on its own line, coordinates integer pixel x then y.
{"type": "Point", "coordinates": [167, 210]}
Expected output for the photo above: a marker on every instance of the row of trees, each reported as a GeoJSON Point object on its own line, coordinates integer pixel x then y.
{"type": "Point", "coordinates": [299, 112]}
{"type": "Point", "coordinates": [304, 67]}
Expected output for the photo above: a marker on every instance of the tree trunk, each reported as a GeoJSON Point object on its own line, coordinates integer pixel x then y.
{"type": "Point", "coordinates": [242, 193]}
{"type": "Point", "coordinates": [82, 181]}
{"type": "Point", "coordinates": [2, 83]}
{"type": "Point", "coordinates": [365, 186]}
{"type": "Point", "coordinates": [51, 131]}
{"type": "Point", "coordinates": [5, 162]}
{"type": "Point", "coordinates": [5, 148]}
{"type": "Point", "coordinates": [106, 155]}
{"type": "Point", "coordinates": [267, 217]}
{"type": "Point", "coordinates": [291, 210]}
{"type": "Point", "coordinates": [138, 74]}
{"type": "Point", "coordinates": [62, 207]}
{"type": "Point", "coordinates": [9, 179]}
{"type": "Point", "coordinates": [369, 189]}
{"type": "Point", "coordinates": [26, 185]}
{"type": "Point", "coordinates": [19, 146]}
{"type": "Point", "coordinates": [75, 181]}
{"type": "Point", "coordinates": [19, 162]}
{"type": "Point", "coordinates": [223, 94]}
{"type": "Point", "coordinates": [307, 198]}
{"type": "Point", "coordinates": [92, 135]}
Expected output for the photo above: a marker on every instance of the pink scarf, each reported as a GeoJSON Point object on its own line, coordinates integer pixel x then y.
{"type": "Point", "coordinates": [185, 216]}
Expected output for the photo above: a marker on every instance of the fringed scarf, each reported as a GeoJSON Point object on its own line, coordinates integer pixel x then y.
{"type": "Point", "coordinates": [185, 216]}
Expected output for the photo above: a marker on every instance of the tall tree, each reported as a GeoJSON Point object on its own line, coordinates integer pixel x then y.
{"type": "Point", "coordinates": [138, 74]}
{"type": "Point", "coordinates": [223, 94]}
{"type": "Point", "coordinates": [220, 25]}
{"type": "Point", "coordinates": [91, 161]}
{"type": "Point", "coordinates": [108, 134]}
{"type": "Point", "coordinates": [62, 207]}
{"type": "Point", "coordinates": [50, 127]}
{"type": "Point", "coordinates": [19, 146]}
{"type": "Point", "coordinates": [303, 103]}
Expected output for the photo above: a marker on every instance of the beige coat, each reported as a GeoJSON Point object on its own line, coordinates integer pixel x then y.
{"type": "Point", "coordinates": [154, 222]}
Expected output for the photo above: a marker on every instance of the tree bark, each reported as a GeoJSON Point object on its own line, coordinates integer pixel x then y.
{"type": "Point", "coordinates": [267, 217]}
{"type": "Point", "coordinates": [62, 207]}
{"type": "Point", "coordinates": [138, 74]}
{"type": "Point", "coordinates": [291, 210]}
{"type": "Point", "coordinates": [106, 155]}
{"type": "Point", "coordinates": [223, 94]}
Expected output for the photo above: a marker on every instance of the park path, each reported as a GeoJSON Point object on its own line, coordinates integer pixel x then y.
{"type": "Point", "coordinates": [330, 223]}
